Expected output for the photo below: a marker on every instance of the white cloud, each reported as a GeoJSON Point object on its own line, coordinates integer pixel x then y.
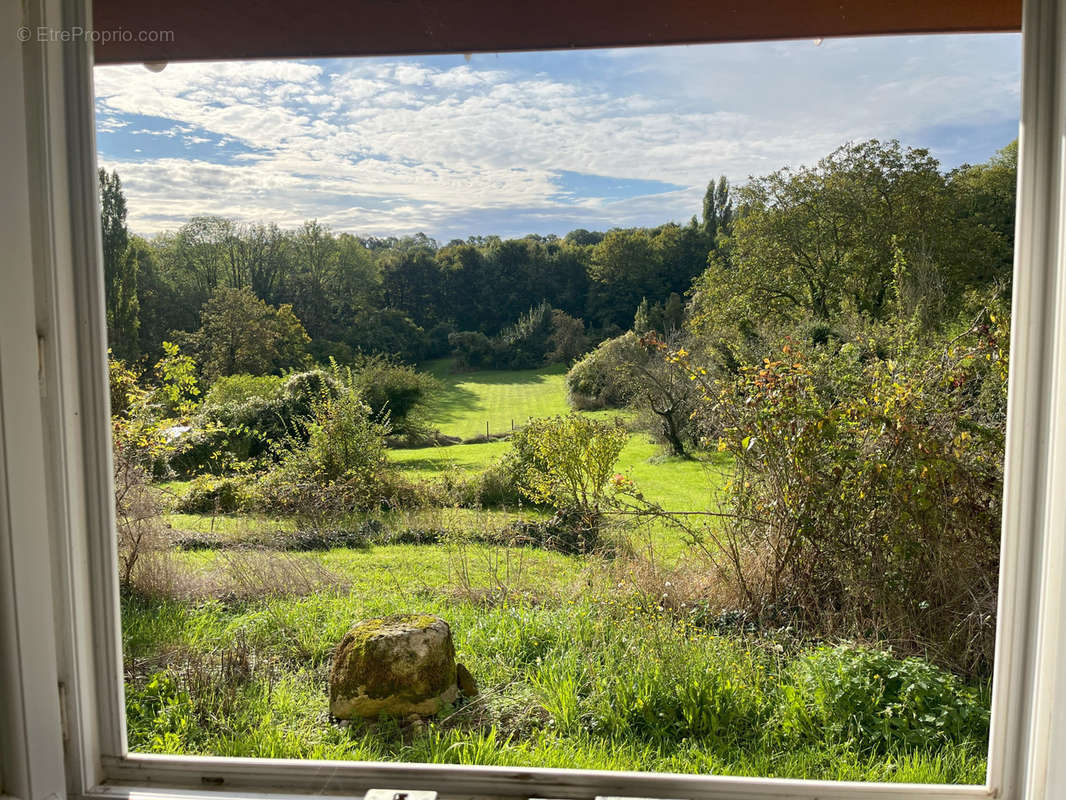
{"type": "Point", "coordinates": [392, 146]}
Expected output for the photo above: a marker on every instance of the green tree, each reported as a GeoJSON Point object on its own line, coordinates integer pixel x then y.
{"type": "Point", "coordinates": [717, 209]}
{"type": "Point", "coordinates": [986, 194]}
{"type": "Point", "coordinates": [624, 268]}
{"type": "Point", "coordinates": [411, 280]}
{"type": "Point", "coordinates": [582, 237]}
{"type": "Point", "coordinates": [649, 317]}
{"type": "Point", "coordinates": [316, 254]}
{"type": "Point", "coordinates": [162, 309]}
{"type": "Point", "coordinates": [634, 371]}
{"type": "Point", "coordinates": [871, 229]}
{"type": "Point", "coordinates": [266, 252]}
{"type": "Point", "coordinates": [568, 340]}
{"type": "Point", "coordinates": [240, 333]}
{"type": "Point", "coordinates": [351, 288]}
{"type": "Point", "coordinates": [120, 269]}
{"type": "Point", "coordinates": [389, 332]}
{"type": "Point", "coordinates": [202, 251]}
{"type": "Point", "coordinates": [664, 393]}
{"type": "Point", "coordinates": [673, 314]}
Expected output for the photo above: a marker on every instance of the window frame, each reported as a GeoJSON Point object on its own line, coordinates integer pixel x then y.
{"type": "Point", "coordinates": [59, 612]}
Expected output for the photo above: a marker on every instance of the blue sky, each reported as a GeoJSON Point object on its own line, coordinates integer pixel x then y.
{"type": "Point", "coordinates": [531, 142]}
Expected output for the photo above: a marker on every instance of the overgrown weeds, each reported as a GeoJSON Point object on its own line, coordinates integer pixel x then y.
{"type": "Point", "coordinates": [866, 496]}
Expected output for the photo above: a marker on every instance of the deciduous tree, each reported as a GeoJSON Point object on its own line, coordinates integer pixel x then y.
{"type": "Point", "coordinates": [239, 333]}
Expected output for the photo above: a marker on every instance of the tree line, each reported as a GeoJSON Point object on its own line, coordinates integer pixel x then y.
{"type": "Point", "coordinates": [396, 296]}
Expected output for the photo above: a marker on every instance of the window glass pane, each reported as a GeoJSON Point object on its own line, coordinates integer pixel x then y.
{"type": "Point", "coordinates": [636, 409]}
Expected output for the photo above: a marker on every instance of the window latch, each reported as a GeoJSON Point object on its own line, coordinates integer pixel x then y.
{"type": "Point", "coordinates": [399, 794]}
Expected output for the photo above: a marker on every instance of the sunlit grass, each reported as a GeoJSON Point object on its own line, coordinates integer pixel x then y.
{"type": "Point", "coordinates": [675, 483]}
{"type": "Point", "coordinates": [496, 398]}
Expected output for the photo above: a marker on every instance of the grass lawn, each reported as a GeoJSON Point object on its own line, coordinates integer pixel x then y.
{"type": "Point", "coordinates": [500, 396]}
{"type": "Point", "coordinates": [425, 462]}
{"type": "Point", "coordinates": [677, 484]}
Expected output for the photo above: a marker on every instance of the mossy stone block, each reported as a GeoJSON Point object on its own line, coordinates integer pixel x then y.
{"type": "Point", "coordinates": [397, 666]}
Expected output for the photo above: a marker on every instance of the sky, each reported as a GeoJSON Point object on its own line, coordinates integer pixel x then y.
{"type": "Point", "coordinates": [520, 143]}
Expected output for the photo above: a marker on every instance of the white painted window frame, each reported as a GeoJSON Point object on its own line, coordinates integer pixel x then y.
{"type": "Point", "coordinates": [62, 726]}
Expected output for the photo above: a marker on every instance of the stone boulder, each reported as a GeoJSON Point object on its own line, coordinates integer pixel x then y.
{"type": "Point", "coordinates": [397, 666]}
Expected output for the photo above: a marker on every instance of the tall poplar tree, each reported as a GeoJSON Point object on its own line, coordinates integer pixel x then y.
{"type": "Point", "coordinates": [120, 270]}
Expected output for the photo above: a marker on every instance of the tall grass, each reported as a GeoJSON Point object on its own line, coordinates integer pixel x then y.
{"type": "Point", "coordinates": [571, 676]}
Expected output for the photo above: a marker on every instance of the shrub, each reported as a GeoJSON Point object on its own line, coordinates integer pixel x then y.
{"type": "Point", "coordinates": [311, 539]}
{"type": "Point", "coordinates": [493, 487]}
{"type": "Point", "coordinates": [323, 351]}
{"type": "Point", "coordinates": [866, 494]}
{"type": "Point", "coordinates": [208, 494]}
{"type": "Point", "coordinates": [137, 511]}
{"type": "Point", "coordinates": [212, 449]}
{"type": "Point", "coordinates": [302, 391]}
{"type": "Point", "coordinates": [471, 349]}
{"type": "Point", "coordinates": [237, 389]}
{"type": "Point", "coordinates": [437, 340]}
{"type": "Point", "coordinates": [568, 339]}
{"type": "Point", "coordinates": [497, 487]}
{"type": "Point", "coordinates": [601, 379]}
{"type": "Point", "coordinates": [339, 467]}
{"type": "Point", "coordinates": [526, 343]}
{"type": "Point", "coordinates": [249, 416]}
{"type": "Point", "coordinates": [138, 444]}
{"type": "Point", "coordinates": [251, 426]}
{"type": "Point", "coordinates": [568, 462]}
{"type": "Point", "coordinates": [567, 531]}
{"type": "Point", "coordinates": [125, 392]}
{"type": "Point", "coordinates": [178, 388]}
{"type": "Point", "coordinates": [869, 699]}
{"type": "Point", "coordinates": [396, 393]}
